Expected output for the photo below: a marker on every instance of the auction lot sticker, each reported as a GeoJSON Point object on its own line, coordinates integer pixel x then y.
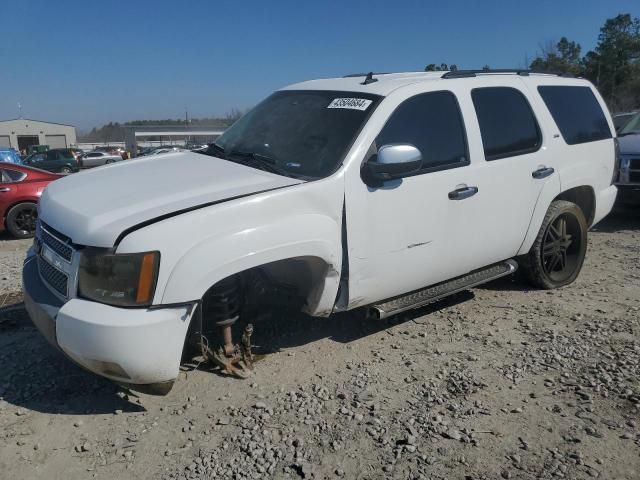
{"type": "Point", "coordinates": [350, 103]}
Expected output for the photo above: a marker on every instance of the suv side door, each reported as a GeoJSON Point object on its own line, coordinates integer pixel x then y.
{"type": "Point", "coordinates": [514, 167]}
{"type": "Point", "coordinates": [405, 234]}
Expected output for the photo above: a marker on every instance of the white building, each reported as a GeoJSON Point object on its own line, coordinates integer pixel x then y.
{"type": "Point", "coordinates": [22, 132]}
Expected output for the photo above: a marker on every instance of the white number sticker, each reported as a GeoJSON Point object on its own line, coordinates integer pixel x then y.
{"type": "Point", "coordinates": [350, 103]}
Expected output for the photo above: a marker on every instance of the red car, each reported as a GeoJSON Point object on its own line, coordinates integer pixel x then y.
{"type": "Point", "coordinates": [20, 190]}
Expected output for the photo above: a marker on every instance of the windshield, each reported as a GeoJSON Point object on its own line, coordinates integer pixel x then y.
{"type": "Point", "coordinates": [632, 127]}
{"type": "Point", "coordinates": [300, 133]}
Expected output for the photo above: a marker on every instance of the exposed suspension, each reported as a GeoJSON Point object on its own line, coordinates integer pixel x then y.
{"type": "Point", "coordinates": [222, 309]}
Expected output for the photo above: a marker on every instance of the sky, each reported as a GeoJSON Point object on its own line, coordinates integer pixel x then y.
{"type": "Point", "coordinates": [87, 63]}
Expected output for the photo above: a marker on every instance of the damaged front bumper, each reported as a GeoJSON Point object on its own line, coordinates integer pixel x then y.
{"type": "Point", "coordinates": [139, 348]}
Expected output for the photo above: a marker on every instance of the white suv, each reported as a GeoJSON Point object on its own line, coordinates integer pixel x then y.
{"type": "Point", "coordinates": [381, 191]}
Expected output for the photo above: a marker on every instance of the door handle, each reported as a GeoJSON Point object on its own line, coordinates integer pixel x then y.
{"type": "Point", "coordinates": [462, 193]}
{"type": "Point", "coordinates": [542, 172]}
{"type": "Point", "coordinates": [5, 189]}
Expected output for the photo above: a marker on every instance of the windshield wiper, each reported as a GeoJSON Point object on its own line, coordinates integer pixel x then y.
{"type": "Point", "coordinates": [264, 162]}
{"type": "Point", "coordinates": [216, 150]}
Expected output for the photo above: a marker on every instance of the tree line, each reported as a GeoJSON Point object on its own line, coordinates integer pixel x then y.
{"type": "Point", "coordinates": [613, 66]}
{"type": "Point", "coordinates": [114, 131]}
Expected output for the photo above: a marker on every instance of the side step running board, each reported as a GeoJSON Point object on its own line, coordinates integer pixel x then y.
{"type": "Point", "coordinates": [431, 294]}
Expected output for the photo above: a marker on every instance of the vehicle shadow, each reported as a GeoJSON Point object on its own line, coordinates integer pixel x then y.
{"type": "Point", "coordinates": [292, 329]}
{"type": "Point", "coordinates": [35, 376]}
{"type": "Point", "coordinates": [5, 236]}
{"type": "Point", "coordinates": [622, 218]}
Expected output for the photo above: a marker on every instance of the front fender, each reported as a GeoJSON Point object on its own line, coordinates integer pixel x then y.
{"type": "Point", "coordinates": [203, 246]}
{"type": "Point", "coordinates": [294, 237]}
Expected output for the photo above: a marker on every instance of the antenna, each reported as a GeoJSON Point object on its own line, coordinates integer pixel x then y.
{"type": "Point", "coordinates": [369, 79]}
{"type": "Point", "coordinates": [20, 109]}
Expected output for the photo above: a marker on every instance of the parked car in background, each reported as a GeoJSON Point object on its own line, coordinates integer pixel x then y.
{"type": "Point", "coordinates": [620, 120]}
{"type": "Point", "coordinates": [20, 190]}
{"type": "Point", "coordinates": [383, 193]}
{"type": "Point", "coordinates": [628, 180]}
{"type": "Point", "coordinates": [58, 160]}
{"type": "Point", "coordinates": [120, 151]}
{"type": "Point", "coordinates": [96, 158]}
{"type": "Point", "coordinates": [159, 149]}
{"type": "Point", "coordinates": [77, 152]}
{"type": "Point", "coordinates": [9, 155]}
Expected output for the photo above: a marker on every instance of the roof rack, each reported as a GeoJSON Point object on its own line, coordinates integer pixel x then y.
{"type": "Point", "coordinates": [517, 71]}
{"type": "Point", "coordinates": [351, 75]}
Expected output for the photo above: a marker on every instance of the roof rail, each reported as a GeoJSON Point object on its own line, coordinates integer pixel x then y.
{"type": "Point", "coordinates": [351, 75]}
{"type": "Point", "coordinates": [517, 71]}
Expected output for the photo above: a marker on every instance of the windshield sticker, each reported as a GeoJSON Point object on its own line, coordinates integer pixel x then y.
{"type": "Point", "coordinates": [350, 103]}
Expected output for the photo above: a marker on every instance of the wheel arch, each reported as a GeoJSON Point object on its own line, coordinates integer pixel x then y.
{"type": "Point", "coordinates": [313, 268]}
{"type": "Point", "coordinates": [584, 196]}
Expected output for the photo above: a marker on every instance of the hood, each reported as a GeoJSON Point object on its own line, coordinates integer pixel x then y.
{"type": "Point", "coordinates": [629, 144]}
{"type": "Point", "coordinates": [95, 206]}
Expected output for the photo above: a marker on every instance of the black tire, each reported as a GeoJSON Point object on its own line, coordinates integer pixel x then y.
{"type": "Point", "coordinates": [21, 220]}
{"type": "Point", "coordinates": [558, 252]}
{"type": "Point", "coordinates": [66, 170]}
{"type": "Point", "coordinates": [108, 162]}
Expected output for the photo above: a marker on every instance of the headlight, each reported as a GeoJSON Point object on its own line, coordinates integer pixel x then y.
{"type": "Point", "coordinates": [122, 280]}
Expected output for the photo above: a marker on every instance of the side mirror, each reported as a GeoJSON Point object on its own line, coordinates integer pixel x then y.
{"type": "Point", "coordinates": [392, 162]}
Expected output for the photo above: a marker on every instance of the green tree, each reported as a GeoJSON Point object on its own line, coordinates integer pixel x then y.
{"type": "Point", "coordinates": [614, 64]}
{"type": "Point", "coordinates": [443, 67]}
{"type": "Point", "coordinates": [562, 57]}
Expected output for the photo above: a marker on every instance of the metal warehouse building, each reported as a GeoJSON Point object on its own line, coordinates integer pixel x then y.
{"type": "Point", "coordinates": [22, 132]}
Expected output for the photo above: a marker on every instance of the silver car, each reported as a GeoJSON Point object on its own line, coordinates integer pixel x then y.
{"type": "Point", "coordinates": [96, 158]}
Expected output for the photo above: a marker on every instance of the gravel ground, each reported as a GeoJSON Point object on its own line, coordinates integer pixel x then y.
{"type": "Point", "coordinates": [499, 382]}
{"type": "Point", "coordinates": [12, 254]}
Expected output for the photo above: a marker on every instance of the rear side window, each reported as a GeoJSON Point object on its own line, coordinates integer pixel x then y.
{"type": "Point", "coordinates": [13, 175]}
{"type": "Point", "coordinates": [66, 154]}
{"type": "Point", "coordinates": [432, 123]}
{"type": "Point", "coordinates": [507, 123]}
{"type": "Point", "coordinates": [577, 113]}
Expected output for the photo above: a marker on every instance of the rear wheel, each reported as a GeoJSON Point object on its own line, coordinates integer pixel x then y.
{"type": "Point", "coordinates": [21, 220]}
{"type": "Point", "coordinates": [66, 170]}
{"type": "Point", "coordinates": [557, 255]}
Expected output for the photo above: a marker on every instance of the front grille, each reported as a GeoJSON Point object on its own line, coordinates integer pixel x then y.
{"type": "Point", "coordinates": [54, 277]}
{"type": "Point", "coordinates": [634, 177]}
{"type": "Point", "coordinates": [634, 164]}
{"type": "Point", "coordinates": [65, 251]}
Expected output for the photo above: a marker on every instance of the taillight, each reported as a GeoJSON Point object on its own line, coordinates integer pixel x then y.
{"type": "Point", "coordinates": [616, 162]}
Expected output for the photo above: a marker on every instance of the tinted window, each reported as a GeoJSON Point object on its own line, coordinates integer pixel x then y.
{"type": "Point", "coordinates": [93, 155]}
{"type": "Point", "coordinates": [13, 175]}
{"type": "Point", "coordinates": [66, 154]}
{"type": "Point", "coordinates": [432, 123]}
{"type": "Point", "coordinates": [577, 113]}
{"type": "Point", "coordinates": [507, 124]}
{"type": "Point", "coordinates": [52, 155]}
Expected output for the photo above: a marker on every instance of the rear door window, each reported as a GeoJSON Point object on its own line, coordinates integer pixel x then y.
{"type": "Point", "coordinates": [507, 124]}
{"type": "Point", "coordinates": [577, 113]}
{"type": "Point", "coordinates": [431, 122]}
{"type": "Point", "coordinates": [13, 175]}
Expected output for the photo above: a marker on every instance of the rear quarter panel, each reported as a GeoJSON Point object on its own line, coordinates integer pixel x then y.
{"type": "Point", "coordinates": [587, 164]}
